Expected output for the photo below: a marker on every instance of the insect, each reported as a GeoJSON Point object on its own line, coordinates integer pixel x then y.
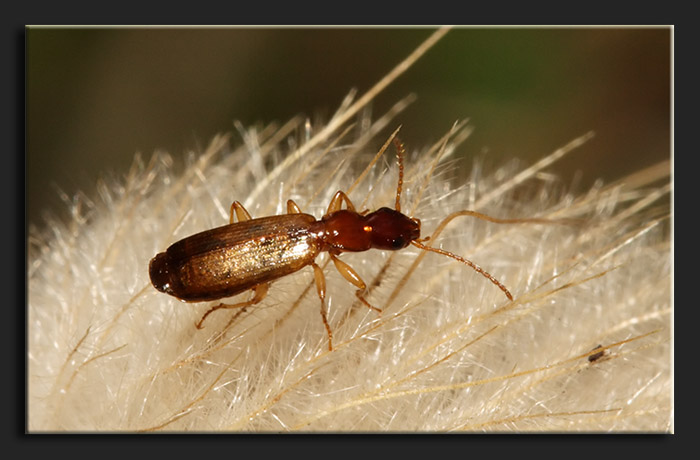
{"type": "Point", "coordinates": [250, 254]}
{"type": "Point", "coordinates": [596, 356]}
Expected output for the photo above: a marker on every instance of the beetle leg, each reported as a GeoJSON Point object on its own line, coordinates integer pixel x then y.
{"type": "Point", "coordinates": [321, 289]}
{"type": "Point", "coordinates": [337, 202]}
{"type": "Point", "coordinates": [352, 276]}
{"type": "Point", "coordinates": [241, 212]}
{"type": "Point", "coordinates": [260, 292]}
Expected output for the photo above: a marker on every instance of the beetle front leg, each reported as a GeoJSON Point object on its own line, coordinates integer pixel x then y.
{"type": "Point", "coordinates": [352, 276]}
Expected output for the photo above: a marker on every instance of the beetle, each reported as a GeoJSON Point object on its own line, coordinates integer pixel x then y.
{"type": "Point", "coordinates": [252, 253]}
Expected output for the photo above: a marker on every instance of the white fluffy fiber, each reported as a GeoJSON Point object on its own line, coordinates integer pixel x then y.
{"type": "Point", "coordinates": [107, 352]}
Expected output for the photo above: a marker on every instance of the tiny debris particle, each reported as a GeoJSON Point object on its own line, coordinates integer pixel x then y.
{"type": "Point", "coordinates": [596, 356]}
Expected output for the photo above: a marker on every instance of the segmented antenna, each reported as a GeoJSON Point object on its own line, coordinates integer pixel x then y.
{"type": "Point", "coordinates": [400, 151]}
{"type": "Point", "coordinates": [466, 262]}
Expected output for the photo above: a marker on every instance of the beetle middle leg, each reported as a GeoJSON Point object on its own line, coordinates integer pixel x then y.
{"type": "Point", "coordinates": [260, 291]}
{"type": "Point", "coordinates": [321, 289]}
{"type": "Point", "coordinates": [351, 276]}
{"type": "Point", "coordinates": [337, 202]}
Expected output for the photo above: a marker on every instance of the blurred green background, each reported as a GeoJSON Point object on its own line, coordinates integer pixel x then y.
{"type": "Point", "coordinates": [95, 96]}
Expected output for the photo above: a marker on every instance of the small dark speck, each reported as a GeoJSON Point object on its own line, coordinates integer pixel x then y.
{"type": "Point", "coordinates": [596, 356]}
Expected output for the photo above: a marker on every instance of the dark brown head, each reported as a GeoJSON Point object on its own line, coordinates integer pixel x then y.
{"type": "Point", "coordinates": [392, 230]}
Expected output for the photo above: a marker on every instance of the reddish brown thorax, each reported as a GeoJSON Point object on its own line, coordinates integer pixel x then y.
{"type": "Point", "coordinates": [384, 228]}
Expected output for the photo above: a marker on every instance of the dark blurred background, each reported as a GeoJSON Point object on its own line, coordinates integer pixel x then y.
{"type": "Point", "coordinates": [95, 97]}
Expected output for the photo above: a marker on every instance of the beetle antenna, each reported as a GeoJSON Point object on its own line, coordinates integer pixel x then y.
{"type": "Point", "coordinates": [400, 150]}
{"type": "Point", "coordinates": [466, 262]}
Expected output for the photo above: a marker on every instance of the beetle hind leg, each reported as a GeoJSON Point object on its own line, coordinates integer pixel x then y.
{"type": "Point", "coordinates": [260, 291]}
{"type": "Point", "coordinates": [292, 207]}
{"type": "Point", "coordinates": [337, 202]}
{"type": "Point", "coordinates": [241, 212]}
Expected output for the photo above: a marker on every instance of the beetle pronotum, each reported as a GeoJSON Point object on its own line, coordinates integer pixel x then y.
{"type": "Point", "coordinates": [252, 253]}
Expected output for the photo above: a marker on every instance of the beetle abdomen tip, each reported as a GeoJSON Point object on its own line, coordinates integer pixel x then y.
{"type": "Point", "coordinates": [159, 272]}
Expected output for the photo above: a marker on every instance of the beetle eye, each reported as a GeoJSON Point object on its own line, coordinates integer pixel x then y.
{"type": "Point", "coordinates": [398, 243]}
